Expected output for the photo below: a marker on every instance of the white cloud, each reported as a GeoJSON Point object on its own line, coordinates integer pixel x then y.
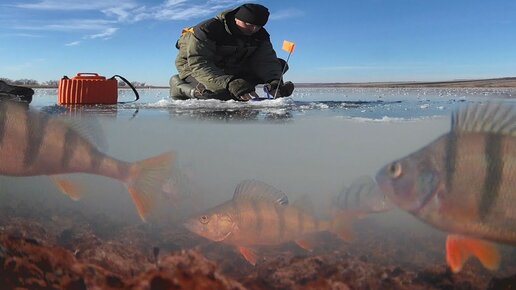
{"type": "Point", "coordinates": [131, 11]}
{"type": "Point", "coordinates": [169, 3]}
{"type": "Point", "coordinates": [73, 43]}
{"type": "Point", "coordinates": [106, 34]}
{"type": "Point", "coordinates": [123, 13]}
{"type": "Point", "coordinates": [115, 13]}
{"type": "Point", "coordinates": [59, 5]}
{"type": "Point", "coordinates": [184, 10]}
{"type": "Point", "coordinates": [127, 11]}
{"type": "Point", "coordinates": [234, 3]}
{"type": "Point", "coordinates": [180, 13]}
{"type": "Point", "coordinates": [27, 35]}
{"type": "Point", "coordinates": [68, 25]}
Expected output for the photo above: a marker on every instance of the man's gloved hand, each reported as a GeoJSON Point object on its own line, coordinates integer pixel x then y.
{"type": "Point", "coordinates": [239, 88]}
{"type": "Point", "coordinates": [283, 89]}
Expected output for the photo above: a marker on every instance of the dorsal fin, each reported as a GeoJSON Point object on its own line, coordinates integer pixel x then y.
{"type": "Point", "coordinates": [499, 118]}
{"type": "Point", "coordinates": [361, 187]}
{"type": "Point", "coordinates": [84, 124]}
{"type": "Point", "coordinates": [254, 189]}
{"type": "Point", "coordinates": [364, 183]}
{"type": "Point", "coordinates": [89, 128]}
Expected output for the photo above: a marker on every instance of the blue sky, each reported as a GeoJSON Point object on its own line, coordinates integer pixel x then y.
{"type": "Point", "coordinates": [337, 41]}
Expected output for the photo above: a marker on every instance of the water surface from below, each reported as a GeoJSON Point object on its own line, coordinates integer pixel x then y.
{"type": "Point", "coordinates": [314, 145]}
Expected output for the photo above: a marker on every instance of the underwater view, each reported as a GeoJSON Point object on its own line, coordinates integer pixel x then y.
{"type": "Point", "coordinates": [293, 193]}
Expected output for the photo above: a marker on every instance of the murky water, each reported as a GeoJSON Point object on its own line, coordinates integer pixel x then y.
{"type": "Point", "coordinates": [314, 144]}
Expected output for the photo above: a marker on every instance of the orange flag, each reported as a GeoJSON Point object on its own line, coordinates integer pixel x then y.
{"type": "Point", "coordinates": [288, 46]}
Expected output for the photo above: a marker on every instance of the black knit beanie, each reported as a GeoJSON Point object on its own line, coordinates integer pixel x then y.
{"type": "Point", "coordinates": [253, 13]}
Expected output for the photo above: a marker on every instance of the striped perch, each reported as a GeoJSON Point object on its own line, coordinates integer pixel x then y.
{"type": "Point", "coordinates": [463, 183]}
{"type": "Point", "coordinates": [363, 197]}
{"type": "Point", "coordinates": [33, 143]}
{"type": "Point", "coordinates": [258, 215]}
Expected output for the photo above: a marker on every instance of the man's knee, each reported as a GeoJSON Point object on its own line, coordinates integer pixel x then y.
{"type": "Point", "coordinates": [284, 64]}
{"type": "Point", "coordinates": [179, 89]}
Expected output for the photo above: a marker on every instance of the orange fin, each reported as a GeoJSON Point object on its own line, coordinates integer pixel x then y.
{"type": "Point", "coordinates": [146, 181]}
{"type": "Point", "coordinates": [68, 187]}
{"type": "Point", "coordinates": [305, 244]}
{"type": "Point", "coordinates": [459, 249]}
{"type": "Point", "coordinates": [248, 254]}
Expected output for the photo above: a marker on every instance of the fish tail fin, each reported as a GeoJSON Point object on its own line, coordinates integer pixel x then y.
{"type": "Point", "coordinates": [342, 225]}
{"type": "Point", "coordinates": [459, 249]}
{"type": "Point", "coordinates": [146, 180]}
{"type": "Point", "coordinates": [68, 187]}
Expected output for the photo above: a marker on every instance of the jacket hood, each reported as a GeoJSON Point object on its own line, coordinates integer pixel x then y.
{"type": "Point", "coordinates": [228, 18]}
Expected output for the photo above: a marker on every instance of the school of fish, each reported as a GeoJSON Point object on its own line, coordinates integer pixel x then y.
{"type": "Point", "coordinates": [462, 183]}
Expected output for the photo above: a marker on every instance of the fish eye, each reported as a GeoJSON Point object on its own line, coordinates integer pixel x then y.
{"type": "Point", "coordinates": [204, 219]}
{"type": "Point", "coordinates": [395, 170]}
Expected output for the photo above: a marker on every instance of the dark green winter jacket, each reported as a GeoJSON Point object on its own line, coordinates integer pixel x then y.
{"type": "Point", "coordinates": [215, 52]}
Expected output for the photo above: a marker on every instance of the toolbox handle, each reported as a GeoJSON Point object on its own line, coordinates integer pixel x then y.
{"type": "Point", "coordinates": [130, 85]}
{"type": "Point", "coordinates": [86, 73]}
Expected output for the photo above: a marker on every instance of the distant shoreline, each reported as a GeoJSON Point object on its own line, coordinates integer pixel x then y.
{"type": "Point", "coordinates": [507, 82]}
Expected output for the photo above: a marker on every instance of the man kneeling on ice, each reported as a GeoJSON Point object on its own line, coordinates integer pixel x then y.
{"type": "Point", "coordinates": [227, 56]}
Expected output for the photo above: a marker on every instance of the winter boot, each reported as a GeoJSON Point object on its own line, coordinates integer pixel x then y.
{"type": "Point", "coordinates": [17, 93]}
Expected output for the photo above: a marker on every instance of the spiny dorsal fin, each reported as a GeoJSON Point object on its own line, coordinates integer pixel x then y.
{"type": "Point", "coordinates": [254, 189]}
{"type": "Point", "coordinates": [499, 118]}
{"type": "Point", "coordinates": [364, 183]}
{"type": "Point", "coordinates": [85, 124]}
{"type": "Point", "coordinates": [90, 129]}
{"type": "Point", "coordinates": [360, 188]}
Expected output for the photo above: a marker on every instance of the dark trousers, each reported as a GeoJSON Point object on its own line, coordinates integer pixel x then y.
{"type": "Point", "coordinates": [225, 95]}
